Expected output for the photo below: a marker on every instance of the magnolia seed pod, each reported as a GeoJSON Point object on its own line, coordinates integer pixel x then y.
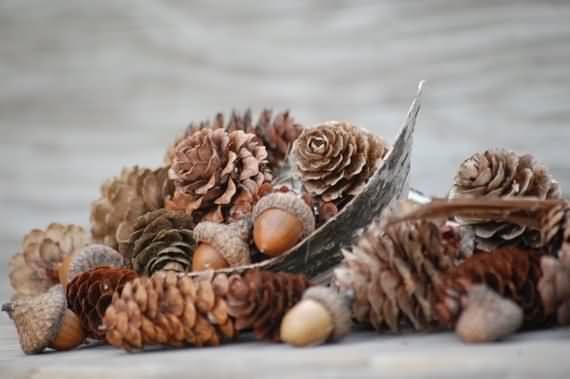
{"type": "Point", "coordinates": [221, 245]}
{"type": "Point", "coordinates": [280, 221]}
{"type": "Point", "coordinates": [322, 315]}
{"type": "Point", "coordinates": [487, 316]}
{"type": "Point", "coordinates": [89, 257]}
{"type": "Point", "coordinates": [44, 321]}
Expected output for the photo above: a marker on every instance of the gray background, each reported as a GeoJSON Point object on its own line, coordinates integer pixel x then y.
{"type": "Point", "coordinates": [87, 87]}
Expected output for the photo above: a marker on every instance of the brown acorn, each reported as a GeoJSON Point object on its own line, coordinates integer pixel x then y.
{"type": "Point", "coordinates": [221, 245]}
{"type": "Point", "coordinates": [322, 315]}
{"type": "Point", "coordinates": [280, 221]}
{"type": "Point", "coordinates": [44, 321]}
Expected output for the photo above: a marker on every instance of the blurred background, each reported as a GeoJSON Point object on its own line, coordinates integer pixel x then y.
{"type": "Point", "coordinates": [87, 87]}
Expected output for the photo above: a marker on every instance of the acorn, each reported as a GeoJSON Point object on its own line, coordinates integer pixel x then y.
{"type": "Point", "coordinates": [322, 315]}
{"type": "Point", "coordinates": [89, 257]}
{"type": "Point", "coordinates": [44, 321]}
{"type": "Point", "coordinates": [221, 245]}
{"type": "Point", "coordinates": [487, 316]}
{"type": "Point", "coordinates": [280, 221]}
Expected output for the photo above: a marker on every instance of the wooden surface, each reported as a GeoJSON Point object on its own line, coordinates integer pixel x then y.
{"type": "Point", "coordinates": [89, 86]}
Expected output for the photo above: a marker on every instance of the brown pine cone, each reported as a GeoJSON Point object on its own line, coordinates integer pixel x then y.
{"type": "Point", "coordinates": [123, 199]}
{"type": "Point", "coordinates": [169, 309]}
{"type": "Point", "coordinates": [89, 294]}
{"type": "Point", "coordinates": [212, 167]}
{"type": "Point", "coordinates": [336, 159]}
{"type": "Point", "coordinates": [258, 300]}
{"type": "Point", "coordinates": [392, 272]}
{"type": "Point", "coordinates": [502, 174]}
{"type": "Point", "coordinates": [512, 273]}
{"type": "Point", "coordinates": [35, 269]}
{"type": "Point", "coordinates": [278, 135]}
{"type": "Point", "coordinates": [161, 240]}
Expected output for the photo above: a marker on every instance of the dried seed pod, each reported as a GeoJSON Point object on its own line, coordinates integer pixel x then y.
{"type": "Point", "coordinates": [89, 257]}
{"type": "Point", "coordinates": [487, 317]}
{"type": "Point", "coordinates": [44, 321]}
{"type": "Point", "coordinates": [219, 244]}
{"type": "Point", "coordinates": [281, 220]}
{"type": "Point", "coordinates": [36, 268]}
{"type": "Point", "coordinates": [335, 159]}
{"type": "Point", "coordinates": [322, 315]}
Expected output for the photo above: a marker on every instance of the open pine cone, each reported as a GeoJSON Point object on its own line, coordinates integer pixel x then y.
{"type": "Point", "coordinates": [259, 300]}
{"type": "Point", "coordinates": [35, 269]}
{"type": "Point", "coordinates": [392, 273]}
{"type": "Point", "coordinates": [161, 240]}
{"type": "Point", "coordinates": [512, 273]}
{"type": "Point", "coordinates": [89, 294]}
{"type": "Point", "coordinates": [336, 159]}
{"type": "Point", "coordinates": [502, 174]}
{"type": "Point", "coordinates": [212, 167]}
{"type": "Point", "coordinates": [123, 199]}
{"type": "Point", "coordinates": [169, 309]}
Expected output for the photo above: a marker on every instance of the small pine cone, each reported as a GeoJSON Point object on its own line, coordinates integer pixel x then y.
{"type": "Point", "coordinates": [123, 199]}
{"type": "Point", "coordinates": [502, 174]}
{"type": "Point", "coordinates": [35, 269]}
{"type": "Point", "coordinates": [278, 135]}
{"type": "Point", "coordinates": [512, 273]}
{"type": "Point", "coordinates": [169, 309]}
{"type": "Point", "coordinates": [258, 300]}
{"type": "Point", "coordinates": [89, 294]}
{"type": "Point", "coordinates": [392, 272]}
{"type": "Point", "coordinates": [161, 240]}
{"type": "Point", "coordinates": [244, 203]}
{"type": "Point", "coordinates": [212, 167]}
{"type": "Point", "coordinates": [336, 159]}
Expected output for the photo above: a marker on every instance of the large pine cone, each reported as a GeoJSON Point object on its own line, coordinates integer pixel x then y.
{"type": "Point", "coordinates": [161, 240]}
{"type": "Point", "coordinates": [502, 174]}
{"type": "Point", "coordinates": [211, 167]}
{"type": "Point", "coordinates": [277, 134]}
{"type": "Point", "coordinates": [511, 273]}
{"type": "Point", "coordinates": [336, 159]}
{"type": "Point", "coordinates": [35, 269]}
{"type": "Point", "coordinates": [90, 293]}
{"type": "Point", "coordinates": [123, 199]}
{"type": "Point", "coordinates": [392, 272]}
{"type": "Point", "coordinates": [168, 309]}
{"type": "Point", "coordinates": [258, 300]}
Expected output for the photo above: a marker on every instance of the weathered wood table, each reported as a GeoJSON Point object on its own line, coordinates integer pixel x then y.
{"type": "Point", "coordinates": [86, 87]}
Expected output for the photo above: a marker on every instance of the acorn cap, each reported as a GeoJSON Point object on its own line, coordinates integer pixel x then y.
{"type": "Point", "coordinates": [38, 319]}
{"type": "Point", "coordinates": [289, 202]}
{"type": "Point", "coordinates": [336, 304]}
{"type": "Point", "coordinates": [93, 256]}
{"type": "Point", "coordinates": [230, 240]}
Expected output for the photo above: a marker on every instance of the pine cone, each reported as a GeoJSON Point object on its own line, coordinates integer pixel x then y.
{"type": "Point", "coordinates": [125, 198]}
{"type": "Point", "coordinates": [336, 159]}
{"type": "Point", "coordinates": [512, 273]}
{"type": "Point", "coordinates": [169, 309]}
{"type": "Point", "coordinates": [502, 174]}
{"type": "Point", "coordinates": [392, 272]}
{"type": "Point", "coordinates": [278, 135]}
{"type": "Point", "coordinates": [90, 293]}
{"type": "Point", "coordinates": [260, 299]}
{"type": "Point", "coordinates": [212, 167]}
{"type": "Point", "coordinates": [161, 240]}
{"type": "Point", "coordinates": [35, 269]}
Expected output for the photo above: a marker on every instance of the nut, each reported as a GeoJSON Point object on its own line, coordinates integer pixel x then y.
{"type": "Point", "coordinates": [229, 242]}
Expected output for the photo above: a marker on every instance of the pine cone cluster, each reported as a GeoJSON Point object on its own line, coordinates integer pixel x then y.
{"type": "Point", "coordinates": [512, 273]}
{"type": "Point", "coordinates": [35, 269]}
{"type": "Point", "coordinates": [89, 294]}
{"type": "Point", "coordinates": [161, 240]}
{"type": "Point", "coordinates": [336, 159]}
{"type": "Point", "coordinates": [169, 309]}
{"type": "Point", "coordinates": [393, 271]}
{"type": "Point", "coordinates": [502, 174]}
{"type": "Point", "coordinates": [211, 168]}
{"type": "Point", "coordinates": [259, 300]}
{"type": "Point", "coordinates": [125, 198]}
